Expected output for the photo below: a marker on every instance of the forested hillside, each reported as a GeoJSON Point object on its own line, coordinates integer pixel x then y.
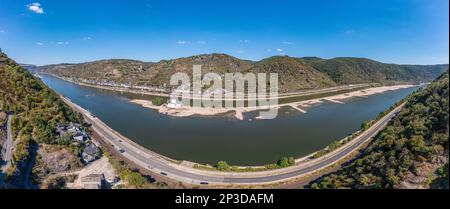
{"type": "Point", "coordinates": [348, 70]}
{"type": "Point", "coordinates": [411, 152]}
{"type": "Point", "coordinates": [294, 73]}
{"type": "Point", "coordinates": [35, 110]}
{"type": "Point", "coordinates": [40, 150]}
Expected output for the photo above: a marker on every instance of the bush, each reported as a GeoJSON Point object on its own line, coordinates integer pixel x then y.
{"type": "Point", "coordinates": [365, 125]}
{"type": "Point", "coordinates": [286, 162]}
{"type": "Point", "coordinates": [133, 180]}
{"type": "Point", "coordinates": [158, 101]}
{"type": "Point", "coordinates": [222, 166]}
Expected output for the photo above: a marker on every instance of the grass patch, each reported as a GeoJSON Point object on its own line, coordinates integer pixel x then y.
{"type": "Point", "coordinates": [224, 166]}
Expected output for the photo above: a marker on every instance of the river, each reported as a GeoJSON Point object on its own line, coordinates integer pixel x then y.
{"type": "Point", "coordinates": [211, 139]}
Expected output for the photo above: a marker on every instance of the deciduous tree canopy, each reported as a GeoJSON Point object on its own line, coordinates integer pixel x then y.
{"type": "Point", "coordinates": [418, 135]}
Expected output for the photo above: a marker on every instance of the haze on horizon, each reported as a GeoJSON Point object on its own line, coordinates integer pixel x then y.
{"type": "Point", "coordinates": [392, 31]}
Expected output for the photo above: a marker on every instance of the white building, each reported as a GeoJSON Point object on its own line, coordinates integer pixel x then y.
{"type": "Point", "coordinates": [79, 137]}
{"type": "Point", "coordinates": [174, 103]}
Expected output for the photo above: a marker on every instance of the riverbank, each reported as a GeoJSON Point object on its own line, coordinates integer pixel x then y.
{"type": "Point", "coordinates": [299, 101]}
{"type": "Point", "coordinates": [189, 174]}
{"type": "Point", "coordinates": [300, 106]}
{"type": "Point", "coordinates": [183, 111]}
{"type": "Point", "coordinates": [300, 93]}
{"type": "Point", "coordinates": [208, 139]}
{"type": "Point", "coordinates": [118, 89]}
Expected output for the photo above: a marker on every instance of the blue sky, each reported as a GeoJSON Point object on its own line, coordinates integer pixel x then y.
{"type": "Point", "coordinates": [56, 31]}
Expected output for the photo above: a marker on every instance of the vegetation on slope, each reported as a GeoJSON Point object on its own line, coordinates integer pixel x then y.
{"type": "Point", "coordinates": [36, 110]}
{"type": "Point", "coordinates": [144, 73]}
{"type": "Point", "coordinates": [411, 152]}
{"type": "Point", "coordinates": [294, 73]}
{"type": "Point", "coordinates": [347, 70]}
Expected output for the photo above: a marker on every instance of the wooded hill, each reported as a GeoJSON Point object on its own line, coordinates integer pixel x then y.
{"type": "Point", "coordinates": [294, 73]}
{"type": "Point", "coordinates": [36, 110]}
{"type": "Point", "coordinates": [410, 152]}
{"type": "Point", "coordinates": [39, 151]}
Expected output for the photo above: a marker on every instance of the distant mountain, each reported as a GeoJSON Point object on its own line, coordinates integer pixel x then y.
{"type": "Point", "coordinates": [410, 152]}
{"type": "Point", "coordinates": [145, 73]}
{"type": "Point", "coordinates": [347, 70]}
{"type": "Point", "coordinates": [118, 70]}
{"type": "Point", "coordinates": [294, 73]}
{"type": "Point", "coordinates": [31, 68]}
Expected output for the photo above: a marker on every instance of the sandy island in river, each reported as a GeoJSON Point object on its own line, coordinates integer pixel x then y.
{"type": "Point", "coordinates": [300, 106]}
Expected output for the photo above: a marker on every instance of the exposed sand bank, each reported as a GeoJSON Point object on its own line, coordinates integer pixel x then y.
{"type": "Point", "coordinates": [369, 91]}
{"type": "Point", "coordinates": [301, 106]}
{"type": "Point", "coordinates": [146, 103]}
{"type": "Point", "coordinates": [181, 112]}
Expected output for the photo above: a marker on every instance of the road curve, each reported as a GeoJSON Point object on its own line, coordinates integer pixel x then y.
{"type": "Point", "coordinates": [159, 164]}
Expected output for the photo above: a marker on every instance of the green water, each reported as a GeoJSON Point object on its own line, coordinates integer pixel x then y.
{"type": "Point", "coordinates": [211, 139]}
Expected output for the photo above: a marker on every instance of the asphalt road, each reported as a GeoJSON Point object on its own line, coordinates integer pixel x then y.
{"type": "Point", "coordinates": [8, 146]}
{"type": "Point", "coordinates": [321, 165]}
{"type": "Point", "coordinates": [158, 164]}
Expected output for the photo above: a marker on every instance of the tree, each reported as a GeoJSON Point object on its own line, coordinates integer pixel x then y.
{"type": "Point", "coordinates": [222, 166]}
{"type": "Point", "coordinates": [418, 133]}
{"type": "Point", "coordinates": [334, 145]}
{"type": "Point", "coordinates": [291, 161]}
{"type": "Point", "coordinates": [65, 139]}
{"type": "Point", "coordinates": [158, 101]}
{"type": "Point", "coordinates": [286, 162]}
{"type": "Point", "coordinates": [364, 125]}
{"type": "Point", "coordinates": [136, 181]}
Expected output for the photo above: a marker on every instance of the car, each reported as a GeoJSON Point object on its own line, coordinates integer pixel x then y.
{"type": "Point", "coordinates": [121, 150]}
{"type": "Point", "coordinates": [204, 183]}
{"type": "Point", "coordinates": [164, 174]}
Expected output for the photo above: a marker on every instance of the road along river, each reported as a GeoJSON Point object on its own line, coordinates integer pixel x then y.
{"type": "Point", "coordinates": [211, 139]}
{"type": "Point", "coordinates": [159, 164]}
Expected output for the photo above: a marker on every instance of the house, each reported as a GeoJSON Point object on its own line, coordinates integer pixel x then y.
{"type": "Point", "coordinates": [90, 153]}
{"type": "Point", "coordinates": [72, 129]}
{"type": "Point", "coordinates": [61, 128]}
{"type": "Point", "coordinates": [79, 137]}
{"type": "Point", "coordinates": [93, 181]}
{"type": "Point", "coordinates": [85, 134]}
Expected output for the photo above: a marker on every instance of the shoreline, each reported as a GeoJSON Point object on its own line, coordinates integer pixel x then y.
{"type": "Point", "coordinates": [109, 88]}
{"type": "Point", "coordinates": [300, 106]}
{"type": "Point", "coordinates": [238, 113]}
{"type": "Point", "coordinates": [304, 92]}
{"type": "Point", "coordinates": [186, 166]}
